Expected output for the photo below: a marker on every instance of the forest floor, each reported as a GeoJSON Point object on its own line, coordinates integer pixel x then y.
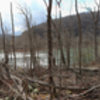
{"type": "Point", "coordinates": [69, 84]}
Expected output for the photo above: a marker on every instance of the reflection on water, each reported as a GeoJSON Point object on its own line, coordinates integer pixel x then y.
{"type": "Point", "coordinates": [23, 60]}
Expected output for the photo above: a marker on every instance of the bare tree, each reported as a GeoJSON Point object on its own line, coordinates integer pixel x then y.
{"type": "Point", "coordinates": [6, 59]}
{"type": "Point", "coordinates": [69, 39]}
{"type": "Point", "coordinates": [59, 33]}
{"type": "Point", "coordinates": [28, 21]}
{"type": "Point", "coordinates": [95, 18]}
{"type": "Point", "coordinates": [80, 35]}
{"type": "Point", "coordinates": [50, 46]}
{"type": "Point", "coordinates": [50, 49]}
{"type": "Point", "coordinates": [13, 35]}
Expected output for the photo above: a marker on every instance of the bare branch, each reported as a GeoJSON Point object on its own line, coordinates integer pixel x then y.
{"type": "Point", "coordinates": [45, 3]}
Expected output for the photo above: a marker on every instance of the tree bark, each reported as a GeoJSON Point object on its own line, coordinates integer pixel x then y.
{"type": "Point", "coordinates": [50, 49]}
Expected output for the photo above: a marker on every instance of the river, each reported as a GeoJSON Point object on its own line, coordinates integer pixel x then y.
{"type": "Point", "coordinates": [22, 59]}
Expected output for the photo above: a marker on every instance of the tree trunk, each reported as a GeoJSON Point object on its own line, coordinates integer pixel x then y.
{"type": "Point", "coordinates": [50, 49]}
{"type": "Point", "coordinates": [13, 36]}
{"type": "Point", "coordinates": [6, 60]}
{"type": "Point", "coordinates": [80, 36]}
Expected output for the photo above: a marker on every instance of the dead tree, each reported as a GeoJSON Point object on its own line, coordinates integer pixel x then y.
{"type": "Point", "coordinates": [59, 33]}
{"type": "Point", "coordinates": [3, 40]}
{"type": "Point", "coordinates": [50, 47]}
{"type": "Point", "coordinates": [28, 20]}
{"type": "Point", "coordinates": [13, 35]}
{"type": "Point", "coordinates": [6, 59]}
{"type": "Point", "coordinates": [68, 40]}
{"type": "Point", "coordinates": [80, 36]}
{"type": "Point", "coordinates": [95, 18]}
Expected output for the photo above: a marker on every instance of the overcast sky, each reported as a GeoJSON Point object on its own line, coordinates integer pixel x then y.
{"type": "Point", "coordinates": [38, 9]}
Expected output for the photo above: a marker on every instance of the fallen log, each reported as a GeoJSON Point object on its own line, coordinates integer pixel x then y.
{"type": "Point", "coordinates": [17, 92]}
{"type": "Point", "coordinates": [72, 88]}
{"type": "Point", "coordinates": [85, 92]}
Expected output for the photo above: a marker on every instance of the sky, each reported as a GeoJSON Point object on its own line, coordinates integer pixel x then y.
{"type": "Point", "coordinates": [38, 10]}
